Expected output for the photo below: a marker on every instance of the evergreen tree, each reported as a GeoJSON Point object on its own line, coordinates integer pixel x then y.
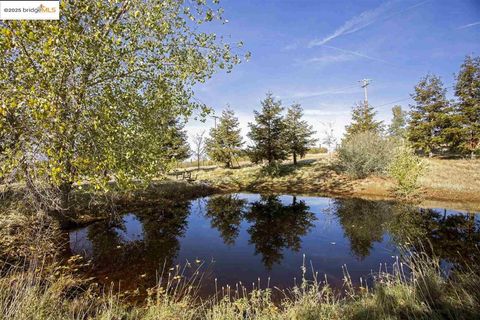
{"type": "Point", "coordinates": [467, 90]}
{"type": "Point", "coordinates": [225, 141]}
{"type": "Point", "coordinates": [298, 133]}
{"type": "Point", "coordinates": [363, 119]}
{"type": "Point", "coordinates": [178, 142]}
{"type": "Point", "coordinates": [430, 116]}
{"type": "Point", "coordinates": [397, 128]}
{"type": "Point", "coordinates": [267, 133]}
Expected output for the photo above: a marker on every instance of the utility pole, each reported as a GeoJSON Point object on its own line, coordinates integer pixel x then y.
{"type": "Point", "coordinates": [365, 83]}
{"type": "Point", "coordinates": [215, 120]}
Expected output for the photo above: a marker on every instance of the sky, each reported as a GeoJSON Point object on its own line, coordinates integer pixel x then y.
{"type": "Point", "coordinates": [314, 52]}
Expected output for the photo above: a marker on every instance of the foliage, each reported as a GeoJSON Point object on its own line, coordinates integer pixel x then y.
{"type": "Point", "coordinates": [363, 120]}
{"type": "Point", "coordinates": [467, 90]}
{"type": "Point", "coordinates": [406, 168]}
{"type": "Point", "coordinates": [430, 117]}
{"type": "Point", "coordinates": [178, 141]}
{"type": "Point", "coordinates": [267, 133]}
{"type": "Point", "coordinates": [225, 142]}
{"type": "Point", "coordinates": [298, 133]}
{"type": "Point", "coordinates": [397, 128]}
{"type": "Point", "coordinates": [365, 153]}
{"type": "Point", "coordinates": [95, 96]}
{"type": "Point", "coordinates": [275, 227]}
{"type": "Point", "coordinates": [226, 213]}
{"type": "Point", "coordinates": [316, 150]}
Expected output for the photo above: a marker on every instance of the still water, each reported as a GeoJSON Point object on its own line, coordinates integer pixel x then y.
{"type": "Point", "coordinates": [244, 237]}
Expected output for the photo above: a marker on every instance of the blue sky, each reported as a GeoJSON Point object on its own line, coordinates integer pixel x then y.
{"type": "Point", "coordinates": [314, 53]}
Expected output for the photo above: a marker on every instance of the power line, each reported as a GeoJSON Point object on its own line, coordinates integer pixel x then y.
{"type": "Point", "coordinates": [404, 99]}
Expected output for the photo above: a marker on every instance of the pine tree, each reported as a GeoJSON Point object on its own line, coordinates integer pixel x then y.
{"type": "Point", "coordinates": [181, 149]}
{"type": "Point", "coordinates": [467, 89]}
{"type": "Point", "coordinates": [298, 133]}
{"type": "Point", "coordinates": [267, 133]}
{"type": "Point", "coordinates": [176, 140]}
{"type": "Point", "coordinates": [363, 120]}
{"type": "Point", "coordinates": [430, 116]}
{"type": "Point", "coordinates": [397, 128]}
{"type": "Point", "coordinates": [225, 141]}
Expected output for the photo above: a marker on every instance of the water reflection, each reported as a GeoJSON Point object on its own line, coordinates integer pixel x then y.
{"type": "Point", "coordinates": [276, 227]}
{"type": "Point", "coordinates": [363, 223]}
{"type": "Point", "coordinates": [452, 236]}
{"type": "Point", "coordinates": [127, 247]}
{"type": "Point", "coordinates": [226, 212]}
{"type": "Point", "coordinates": [251, 236]}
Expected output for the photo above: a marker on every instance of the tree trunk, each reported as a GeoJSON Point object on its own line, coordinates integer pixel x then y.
{"type": "Point", "coordinates": [295, 158]}
{"type": "Point", "coordinates": [65, 190]}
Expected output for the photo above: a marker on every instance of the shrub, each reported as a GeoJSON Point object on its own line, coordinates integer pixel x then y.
{"type": "Point", "coordinates": [406, 168]}
{"type": "Point", "coordinates": [317, 150]}
{"type": "Point", "coordinates": [365, 153]}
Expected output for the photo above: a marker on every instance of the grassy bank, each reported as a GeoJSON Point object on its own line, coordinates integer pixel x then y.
{"type": "Point", "coordinates": [422, 293]}
{"type": "Point", "coordinates": [448, 183]}
{"type": "Point", "coordinates": [37, 283]}
{"type": "Point", "coordinates": [88, 205]}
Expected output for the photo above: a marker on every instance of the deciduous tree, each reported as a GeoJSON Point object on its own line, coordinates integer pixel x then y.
{"type": "Point", "coordinates": [92, 97]}
{"type": "Point", "coordinates": [199, 147]}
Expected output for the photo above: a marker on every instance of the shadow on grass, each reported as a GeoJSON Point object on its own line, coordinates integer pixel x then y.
{"type": "Point", "coordinates": [307, 176]}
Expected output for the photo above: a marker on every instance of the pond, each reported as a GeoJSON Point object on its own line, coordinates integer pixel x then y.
{"type": "Point", "coordinates": [246, 237]}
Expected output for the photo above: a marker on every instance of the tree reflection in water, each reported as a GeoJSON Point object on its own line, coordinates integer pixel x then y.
{"type": "Point", "coordinates": [363, 223]}
{"type": "Point", "coordinates": [156, 247]}
{"type": "Point", "coordinates": [453, 237]}
{"type": "Point", "coordinates": [276, 227]}
{"type": "Point", "coordinates": [226, 213]}
{"type": "Point", "coordinates": [273, 228]}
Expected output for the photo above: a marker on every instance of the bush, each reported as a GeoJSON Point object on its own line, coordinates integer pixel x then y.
{"type": "Point", "coordinates": [317, 150]}
{"type": "Point", "coordinates": [406, 168]}
{"type": "Point", "coordinates": [365, 153]}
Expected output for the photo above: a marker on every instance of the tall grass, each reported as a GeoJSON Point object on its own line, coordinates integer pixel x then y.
{"type": "Point", "coordinates": [416, 288]}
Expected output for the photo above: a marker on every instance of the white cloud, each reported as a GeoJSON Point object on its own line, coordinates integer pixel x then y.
{"type": "Point", "coordinates": [355, 24]}
{"type": "Point", "coordinates": [469, 25]}
{"type": "Point", "coordinates": [328, 59]}
{"type": "Point", "coordinates": [356, 53]}
{"type": "Point", "coordinates": [363, 20]}
{"type": "Point", "coordinates": [317, 112]}
{"type": "Point", "coordinates": [291, 46]}
{"type": "Point", "coordinates": [325, 92]}
{"type": "Point", "coordinates": [343, 55]}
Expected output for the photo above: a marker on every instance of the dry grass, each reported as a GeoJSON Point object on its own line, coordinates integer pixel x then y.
{"type": "Point", "coordinates": [422, 292]}
{"type": "Point", "coordinates": [446, 183]}
{"type": "Point", "coordinates": [452, 179]}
